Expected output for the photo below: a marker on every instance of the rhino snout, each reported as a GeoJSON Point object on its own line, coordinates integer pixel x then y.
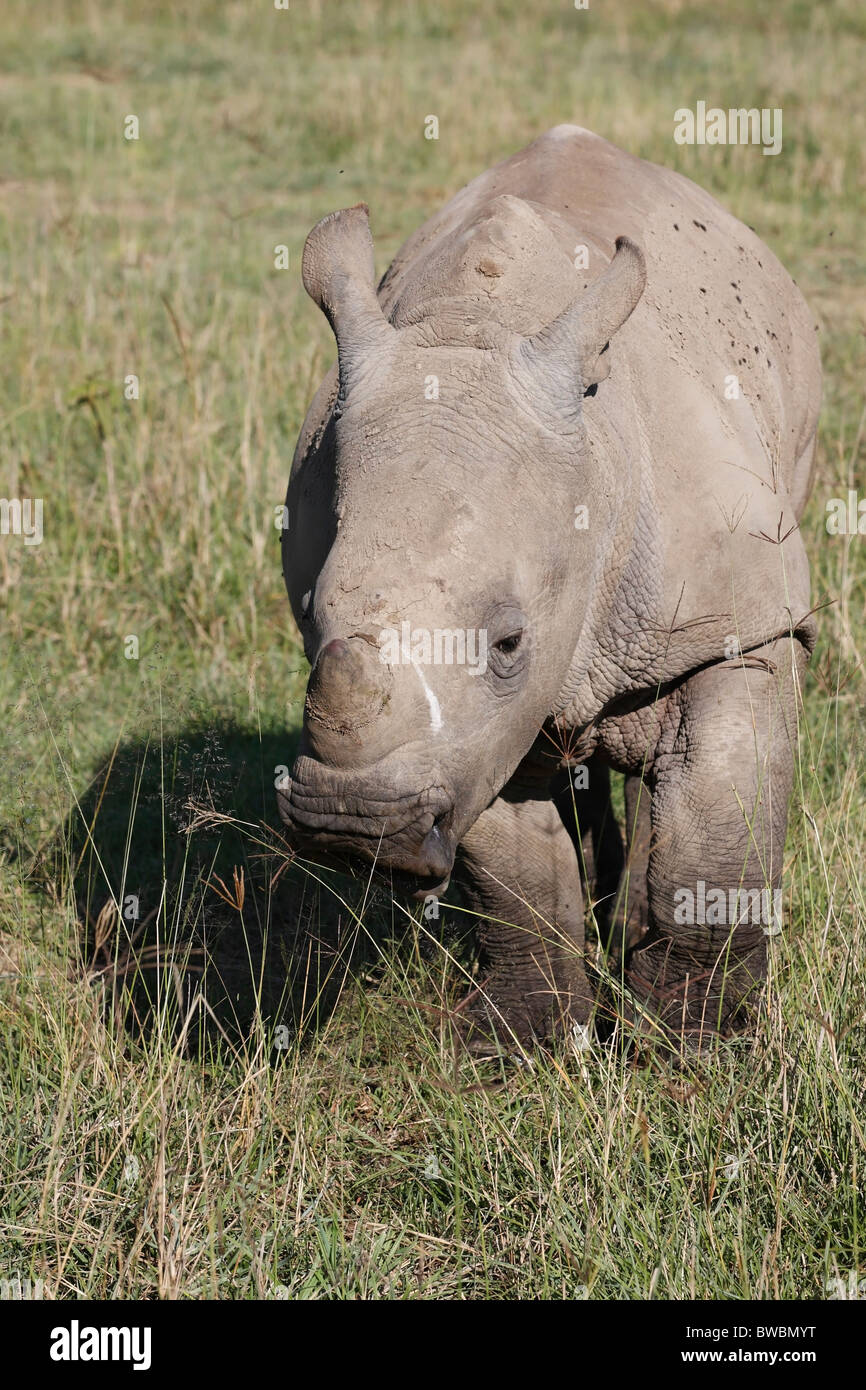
{"type": "Point", "coordinates": [332, 817]}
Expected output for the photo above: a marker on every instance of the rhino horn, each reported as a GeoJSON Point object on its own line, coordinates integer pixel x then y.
{"type": "Point", "coordinates": [348, 686]}
{"type": "Point", "coordinates": [339, 275]}
{"type": "Point", "coordinates": [581, 333]}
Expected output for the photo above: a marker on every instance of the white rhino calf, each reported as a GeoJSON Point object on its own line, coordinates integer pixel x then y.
{"type": "Point", "coordinates": [544, 514]}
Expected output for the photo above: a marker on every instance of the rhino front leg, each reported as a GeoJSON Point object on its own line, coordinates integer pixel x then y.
{"type": "Point", "coordinates": [519, 872]}
{"type": "Point", "coordinates": [720, 784]}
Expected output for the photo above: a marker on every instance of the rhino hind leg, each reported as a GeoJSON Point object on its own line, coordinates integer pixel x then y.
{"type": "Point", "coordinates": [614, 878]}
{"type": "Point", "coordinates": [720, 792]}
{"type": "Point", "coordinates": [518, 871]}
{"type": "Point", "coordinates": [584, 803]}
{"type": "Point", "coordinates": [631, 914]}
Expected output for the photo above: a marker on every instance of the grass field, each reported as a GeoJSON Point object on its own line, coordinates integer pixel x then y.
{"type": "Point", "coordinates": [237, 1087]}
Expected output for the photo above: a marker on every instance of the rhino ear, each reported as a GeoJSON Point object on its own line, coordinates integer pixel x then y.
{"type": "Point", "coordinates": [339, 275]}
{"type": "Point", "coordinates": [579, 337]}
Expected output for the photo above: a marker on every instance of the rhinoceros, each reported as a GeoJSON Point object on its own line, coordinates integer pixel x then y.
{"type": "Point", "coordinates": [542, 523]}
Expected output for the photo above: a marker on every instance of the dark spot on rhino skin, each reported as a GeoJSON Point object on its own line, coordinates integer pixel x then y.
{"type": "Point", "coordinates": [703, 291]}
{"type": "Point", "coordinates": [738, 299]}
{"type": "Point", "coordinates": [676, 227]}
{"type": "Point", "coordinates": [699, 224]}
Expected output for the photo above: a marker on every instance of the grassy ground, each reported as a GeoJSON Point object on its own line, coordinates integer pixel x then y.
{"type": "Point", "coordinates": [180, 1144]}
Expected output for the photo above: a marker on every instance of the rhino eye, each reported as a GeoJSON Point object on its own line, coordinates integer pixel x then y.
{"type": "Point", "coordinates": [508, 643]}
{"type": "Point", "coordinates": [507, 646]}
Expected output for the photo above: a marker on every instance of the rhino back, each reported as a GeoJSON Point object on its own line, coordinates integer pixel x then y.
{"type": "Point", "coordinates": [718, 302]}
{"type": "Point", "coordinates": [712, 400]}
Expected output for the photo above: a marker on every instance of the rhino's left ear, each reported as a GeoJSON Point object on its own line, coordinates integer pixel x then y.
{"type": "Point", "coordinates": [339, 275]}
{"type": "Point", "coordinates": [576, 341]}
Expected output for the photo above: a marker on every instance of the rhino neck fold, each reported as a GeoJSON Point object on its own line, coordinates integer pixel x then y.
{"type": "Point", "coordinates": [612, 644]}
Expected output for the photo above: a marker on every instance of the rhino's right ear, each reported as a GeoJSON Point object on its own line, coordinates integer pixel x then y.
{"type": "Point", "coordinates": [339, 275]}
{"type": "Point", "coordinates": [570, 355]}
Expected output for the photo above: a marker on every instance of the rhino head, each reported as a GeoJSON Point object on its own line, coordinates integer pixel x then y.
{"type": "Point", "coordinates": [431, 557]}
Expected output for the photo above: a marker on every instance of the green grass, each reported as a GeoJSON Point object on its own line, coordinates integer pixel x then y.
{"type": "Point", "coordinates": [165, 1146]}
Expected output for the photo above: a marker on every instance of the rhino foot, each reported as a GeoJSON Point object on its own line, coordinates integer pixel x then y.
{"type": "Point", "coordinates": [519, 873]}
{"type": "Point", "coordinates": [495, 1020]}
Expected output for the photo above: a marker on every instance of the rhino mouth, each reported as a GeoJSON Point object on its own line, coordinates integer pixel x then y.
{"type": "Point", "coordinates": [341, 821]}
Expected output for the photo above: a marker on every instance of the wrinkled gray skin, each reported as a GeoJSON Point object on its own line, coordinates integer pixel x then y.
{"type": "Point", "coordinates": [610, 644]}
